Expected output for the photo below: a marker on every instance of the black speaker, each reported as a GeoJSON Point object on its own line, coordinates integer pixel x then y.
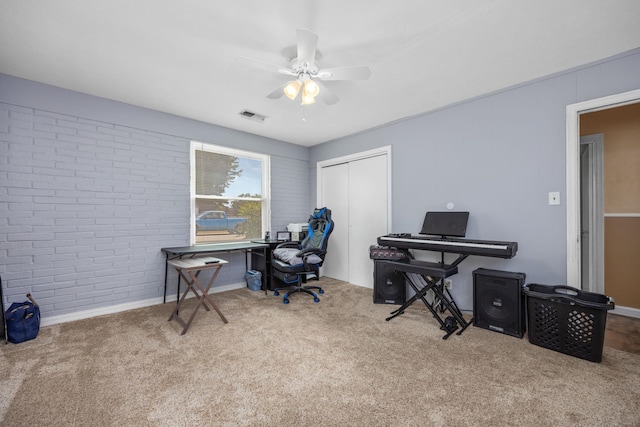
{"type": "Point", "coordinates": [498, 301]}
{"type": "Point", "coordinates": [388, 284]}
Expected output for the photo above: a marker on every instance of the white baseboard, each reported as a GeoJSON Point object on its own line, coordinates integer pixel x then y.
{"type": "Point", "coordinates": [86, 314]}
{"type": "Point", "coordinates": [626, 311]}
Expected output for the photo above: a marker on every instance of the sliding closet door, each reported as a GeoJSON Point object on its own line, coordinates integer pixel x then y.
{"type": "Point", "coordinates": [357, 192]}
{"type": "Point", "coordinates": [367, 215]}
{"type": "Point", "coordinates": [335, 196]}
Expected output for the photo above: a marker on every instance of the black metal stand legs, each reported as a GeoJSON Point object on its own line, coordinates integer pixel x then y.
{"type": "Point", "coordinates": [441, 301]}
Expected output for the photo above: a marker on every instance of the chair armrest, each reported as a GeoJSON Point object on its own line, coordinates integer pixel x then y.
{"type": "Point", "coordinates": [305, 253]}
{"type": "Point", "coordinates": [309, 251]}
{"type": "Point", "coordinates": [288, 245]}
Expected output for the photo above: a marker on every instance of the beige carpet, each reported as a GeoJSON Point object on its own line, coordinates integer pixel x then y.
{"type": "Point", "coordinates": [335, 363]}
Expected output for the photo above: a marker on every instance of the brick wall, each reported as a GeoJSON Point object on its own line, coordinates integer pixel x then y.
{"type": "Point", "coordinates": [289, 182]}
{"type": "Point", "coordinates": [85, 207]}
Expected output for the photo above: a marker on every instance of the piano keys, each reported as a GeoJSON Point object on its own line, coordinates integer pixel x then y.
{"type": "Point", "coordinates": [488, 248]}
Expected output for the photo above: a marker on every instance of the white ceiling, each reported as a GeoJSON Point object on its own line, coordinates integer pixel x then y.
{"type": "Point", "coordinates": [180, 57]}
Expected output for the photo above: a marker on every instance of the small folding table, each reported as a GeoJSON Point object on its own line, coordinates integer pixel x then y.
{"type": "Point", "coordinates": [189, 269]}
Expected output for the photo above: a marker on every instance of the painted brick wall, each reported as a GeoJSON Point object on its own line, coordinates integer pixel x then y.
{"type": "Point", "coordinates": [289, 181]}
{"type": "Point", "coordinates": [86, 206]}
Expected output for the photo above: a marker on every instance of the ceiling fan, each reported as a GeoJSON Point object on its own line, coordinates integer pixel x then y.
{"type": "Point", "coordinates": [307, 73]}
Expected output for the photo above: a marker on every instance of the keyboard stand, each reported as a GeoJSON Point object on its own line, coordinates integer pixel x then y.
{"type": "Point", "coordinates": [428, 276]}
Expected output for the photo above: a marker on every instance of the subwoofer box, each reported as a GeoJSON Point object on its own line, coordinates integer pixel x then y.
{"type": "Point", "coordinates": [498, 301]}
{"type": "Point", "coordinates": [388, 285]}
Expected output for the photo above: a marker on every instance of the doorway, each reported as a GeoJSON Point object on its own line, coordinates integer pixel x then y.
{"type": "Point", "coordinates": [576, 154]}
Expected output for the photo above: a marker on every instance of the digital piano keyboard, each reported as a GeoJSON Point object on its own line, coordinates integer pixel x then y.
{"type": "Point", "coordinates": [460, 246]}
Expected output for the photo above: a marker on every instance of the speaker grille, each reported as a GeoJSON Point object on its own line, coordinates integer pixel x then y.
{"type": "Point", "coordinates": [498, 303]}
{"type": "Point", "coordinates": [388, 285]}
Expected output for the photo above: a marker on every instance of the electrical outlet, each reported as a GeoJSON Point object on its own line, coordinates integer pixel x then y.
{"type": "Point", "coordinates": [448, 283]}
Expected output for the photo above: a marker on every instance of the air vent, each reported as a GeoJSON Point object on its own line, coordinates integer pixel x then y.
{"type": "Point", "coordinates": [252, 116]}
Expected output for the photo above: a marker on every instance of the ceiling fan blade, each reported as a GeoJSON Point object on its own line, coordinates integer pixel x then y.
{"type": "Point", "coordinates": [345, 73]}
{"type": "Point", "coordinates": [254, 63]}
{"type": "Point", "coordinates": [307, 44]}
{"type": "Point", "coordinates": [277, 93]}
{"type": "Point", "coordinates": [326, 95]}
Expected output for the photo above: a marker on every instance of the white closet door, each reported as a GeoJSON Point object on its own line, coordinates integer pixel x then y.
{"type": "Point", "coordinates": [357, 192]}
{"type": "Point", "coordinates": [367, 215]}
{"type": "Point", "coordinates": [335, 196]}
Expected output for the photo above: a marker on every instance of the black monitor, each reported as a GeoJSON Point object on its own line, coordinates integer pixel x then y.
{"type": "Point", "coordinates": [452, 224]}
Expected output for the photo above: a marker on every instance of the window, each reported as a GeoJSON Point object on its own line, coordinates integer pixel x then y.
{"type": "Point", "coordinates": [229, 194]}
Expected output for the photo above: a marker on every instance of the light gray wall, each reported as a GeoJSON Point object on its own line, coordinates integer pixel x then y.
{"type": "Point", "coordinates": [92, 190]}
{"type": "Point", "coordinates": [497, 157]}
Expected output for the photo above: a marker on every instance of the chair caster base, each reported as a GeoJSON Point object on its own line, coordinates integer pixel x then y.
{"type": "Point", "coordinates": [299, 289]}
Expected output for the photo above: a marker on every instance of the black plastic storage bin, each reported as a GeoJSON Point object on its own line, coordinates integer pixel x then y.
{"type": "Point", "coordinates": [567, 320]}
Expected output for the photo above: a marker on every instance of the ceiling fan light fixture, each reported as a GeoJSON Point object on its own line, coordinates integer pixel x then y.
{"type": "Point", "coordinates": [307, 100]}
{"type": "Point", "coordinates": [311, 88]}
{"type": "Point", "coordinates": [305, 69]}
{"type": "Point", "coordinates": [292, 89]}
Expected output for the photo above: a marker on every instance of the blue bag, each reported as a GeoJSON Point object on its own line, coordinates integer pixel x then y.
{"type": "Point", "coordinates": [23, 321]}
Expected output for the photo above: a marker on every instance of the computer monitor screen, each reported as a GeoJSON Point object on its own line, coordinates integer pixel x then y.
{"type": "Point", "coordinates": [283, 236]}
{"type": "Point", "coordinates": [452, 224]}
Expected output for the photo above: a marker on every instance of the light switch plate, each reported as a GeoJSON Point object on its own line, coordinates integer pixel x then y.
{"type": "Point", "coordinates": [554, 198]}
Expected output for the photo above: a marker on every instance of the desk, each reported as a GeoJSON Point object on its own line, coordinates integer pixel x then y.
{"type": "Point", "coordinates": [189, 269]}
{"type": "Point", "coordinates": [192, 251]}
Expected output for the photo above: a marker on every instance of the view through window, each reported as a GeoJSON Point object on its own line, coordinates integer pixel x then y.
{"type": "Point", "coordinates": [229, 194]}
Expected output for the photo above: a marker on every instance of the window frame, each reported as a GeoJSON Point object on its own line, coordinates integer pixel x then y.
{"type": "Point", "coordinates": [266, 184]}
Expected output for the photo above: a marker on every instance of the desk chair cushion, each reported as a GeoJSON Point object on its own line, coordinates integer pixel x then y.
{"type": "Point", "coordinates": [294, 256]}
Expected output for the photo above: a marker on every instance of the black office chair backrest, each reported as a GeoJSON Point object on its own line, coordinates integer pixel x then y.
{"type": "Point", "coordinates": [320, 227]}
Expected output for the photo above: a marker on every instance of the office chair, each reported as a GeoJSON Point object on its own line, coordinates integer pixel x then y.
{"type": "Point", "coordinates": [294, 263]}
